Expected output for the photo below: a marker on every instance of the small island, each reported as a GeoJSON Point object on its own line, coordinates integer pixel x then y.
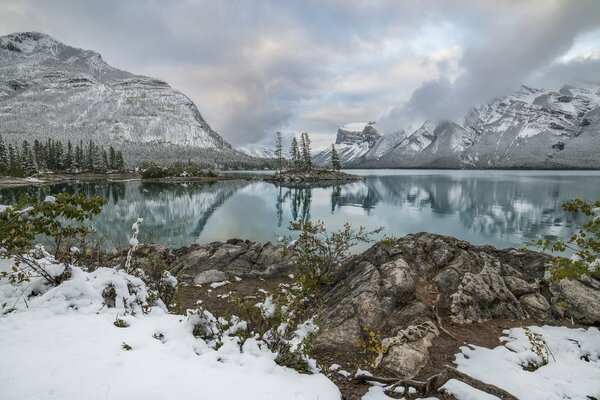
{"type": "Point", "coordinates": [299, 167]}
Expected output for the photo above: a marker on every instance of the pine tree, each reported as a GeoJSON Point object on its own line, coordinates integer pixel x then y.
{"type": "Point", "coordinates": [69, 157]}
{"type": "Point", "coordinates": [335, 159]}
{"type": "Point", "coordinates": [27, 162]}
{"type": "Point", "coordinates": [119, 162]}
{"type": "Point", "coordinates": [15, 168]}
{"type": "Point", "coordinates": [279, 151]}
{"type": "Point", "coordinates": [111, 157]}
{"type": "Point", "coordinates": [306, 160]}
{"type": "Point", "coordinates": [4, 161]}
{"type": "Point", "coordinates": [294, 153]}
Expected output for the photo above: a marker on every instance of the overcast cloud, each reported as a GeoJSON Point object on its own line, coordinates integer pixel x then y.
{"type": "Point", "coordinates": [254, 67]}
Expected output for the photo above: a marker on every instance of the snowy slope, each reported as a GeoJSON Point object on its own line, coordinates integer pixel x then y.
{"type": "Point", "coordinates": [532, 128]}
{"type": "Point", "coordinates": [49, 89]}
{"type": "Point", "coordinates": [258, 151]}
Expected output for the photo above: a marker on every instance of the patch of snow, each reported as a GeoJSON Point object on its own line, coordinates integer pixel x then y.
{"type": "Point", "coordinates": [354, 126]}
{"type": "Point", "coordinates": [65, 345]}
{"type": "Point", "coordinates": [567, 374]}
{"type": "Point", "coordinates": [215, 285]}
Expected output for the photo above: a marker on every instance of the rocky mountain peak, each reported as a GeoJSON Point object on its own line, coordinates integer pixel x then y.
{"type": "Point", "coordinates": [355, 133]}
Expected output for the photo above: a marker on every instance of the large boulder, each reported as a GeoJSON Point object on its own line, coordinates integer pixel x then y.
{"type": "Point", "coordinates": [235, 257]}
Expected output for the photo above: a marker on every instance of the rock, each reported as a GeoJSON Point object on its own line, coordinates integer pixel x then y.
{"type": "Point", "coordinates": [518, 286]}
{"type": "Point", "coordinates": [536, 306]}
{"type": "Point", "coordinates": [579, 300]}
{"type": "Point", "coordinates": [241, 258]}
{"type": "Point", "coordinates": [363, 300]}
{"type": "Point", "coordinates": [210, 276]}
{"type": "Point", "coordinates": [484, 296]}
{"type": "Point", "coordinates": [405, 354]}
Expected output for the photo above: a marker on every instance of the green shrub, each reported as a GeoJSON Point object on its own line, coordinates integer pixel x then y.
{"type": "Point", "coordinates": [318, 252]}
{"type": "Point", "coordinates": [584, 244]}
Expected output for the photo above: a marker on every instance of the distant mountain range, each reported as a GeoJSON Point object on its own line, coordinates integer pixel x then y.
{"type": "Point", "coordinates": [532, 128]}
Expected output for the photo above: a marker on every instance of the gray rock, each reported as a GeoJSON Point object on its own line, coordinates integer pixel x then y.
{"type": "Point", "coordinates": [579, 300]}
{"type": "Point", "coordinates": [210, 276]}
{"type": "Point", "coordinates": [235, 257]}
{"type": "Point", "coordinates": [536, 306]}
{"type": "Point", "coordinates": [405, 354]}
{"type": "Point", "coordinates": [484, 296]}
{"type": "Point", "coordinates": [518, 286]}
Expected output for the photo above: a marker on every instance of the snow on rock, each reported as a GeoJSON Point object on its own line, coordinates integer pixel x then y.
{"type": "Point", "coordinates": [64, 345]}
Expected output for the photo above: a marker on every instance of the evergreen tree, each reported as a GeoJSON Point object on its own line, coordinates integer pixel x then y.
{"type": "Point", "coordinates": [294, 153]}
{"type": "Point", "coordinates": [27, 161]}
{"type": "Point", "coordinates": [279, 151]}
{"type": "Point", "coordinates": [306, 160]}
{"type": "Point", "coordinates": [119, 162]}
{"type": "Point", "coordinates": [335, 159]}
{"type": "Point", "coordinates": [15, 168]}
{"type": "Point", "coordinates": [111, 157]}
{"type": "Point", "coordinates": [4, 161]}
{"type": "Point", "coordinates": [69, 158]}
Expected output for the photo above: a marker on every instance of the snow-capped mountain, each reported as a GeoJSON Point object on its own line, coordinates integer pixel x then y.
{"type": "Point", "coordinates": [50, 89]}
{"type": "Point", "coordinates": [532, 128]}
{"type": "Point", "coordinates": [352, 142]}
{"type": "Point", "coordinates": [258, 151]}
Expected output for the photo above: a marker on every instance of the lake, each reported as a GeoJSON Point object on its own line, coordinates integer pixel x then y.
{"type": "Point", "coordinates": [502, 208]}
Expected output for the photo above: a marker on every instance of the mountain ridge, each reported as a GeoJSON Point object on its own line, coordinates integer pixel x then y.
{"type": "Point", "coordinates": [531, 129]}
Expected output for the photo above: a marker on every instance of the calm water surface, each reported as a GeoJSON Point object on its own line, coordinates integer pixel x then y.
{"type": "Point", "coordinates": [503, 208]}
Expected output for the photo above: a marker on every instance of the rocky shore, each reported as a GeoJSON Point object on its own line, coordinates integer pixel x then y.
{"type": "Point", "coordinates": [422, 296]}
{"type": "Point", "coordinates": [314, 175]}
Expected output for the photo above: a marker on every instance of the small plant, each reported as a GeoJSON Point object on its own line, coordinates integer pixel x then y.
{"type": "Point", "coordinates": [371, 345]}
{"type": "Point", "coordinates": [538, 346]}
{"type": "Point", "coordinates": [109, 294]}
{"type": "Point", "coordinates": [120, 323]}
{"type": "Point", "coordinates": [318, 252]}
{"type": "Point", "coordinates": [585, 245]}
{"type": "Point", "coordinates": [126, 347]}
{"type": "Point", "coordinates": [387, 241]}
{"type": "Point", "coordinates": [161, 285]}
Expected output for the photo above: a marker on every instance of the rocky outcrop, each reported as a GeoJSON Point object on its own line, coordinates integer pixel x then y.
{"type": "Point", "coordinates": [219, 261]}
{"type": "Point", "coordinates": [399, 290]}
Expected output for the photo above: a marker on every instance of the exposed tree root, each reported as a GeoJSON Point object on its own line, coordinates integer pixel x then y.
{"type": "Point", "coordinates": [439, 323]}
{"type": "Point", "coordinates": [433, 384]}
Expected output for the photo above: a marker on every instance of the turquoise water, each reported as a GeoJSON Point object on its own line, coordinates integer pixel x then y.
{"type": "Point", "coordinates": [502, 208]}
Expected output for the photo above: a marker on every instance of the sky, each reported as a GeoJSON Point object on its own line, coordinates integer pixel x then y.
{"type": "Point", "coordinates": [259, 66]}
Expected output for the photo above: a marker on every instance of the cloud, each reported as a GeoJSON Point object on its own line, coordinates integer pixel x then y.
{"type": "Point", "coordinates": [508, 53]}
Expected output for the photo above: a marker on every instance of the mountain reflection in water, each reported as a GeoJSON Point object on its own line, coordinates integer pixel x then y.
{"type": "Point", "coordinates": [503, 208]}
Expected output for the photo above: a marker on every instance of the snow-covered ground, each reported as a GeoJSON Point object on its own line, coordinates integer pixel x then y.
{"type": "Point", "coordinates": [63, 344]}
{"type": "Point", "coordinates": [572, 372]}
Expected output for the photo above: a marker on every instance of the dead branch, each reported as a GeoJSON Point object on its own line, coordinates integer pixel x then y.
{"type": "Point", "coordinates": [434, 383]}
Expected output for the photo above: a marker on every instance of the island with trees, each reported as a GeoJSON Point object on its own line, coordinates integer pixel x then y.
{"type": "Point", "coordinates": [300, 168]}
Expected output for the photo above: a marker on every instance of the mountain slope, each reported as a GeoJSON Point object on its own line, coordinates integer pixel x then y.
{"type": "Point", "coordinates": [50, 89]}
{"type": "Point", "coordinates": [532, 128]}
